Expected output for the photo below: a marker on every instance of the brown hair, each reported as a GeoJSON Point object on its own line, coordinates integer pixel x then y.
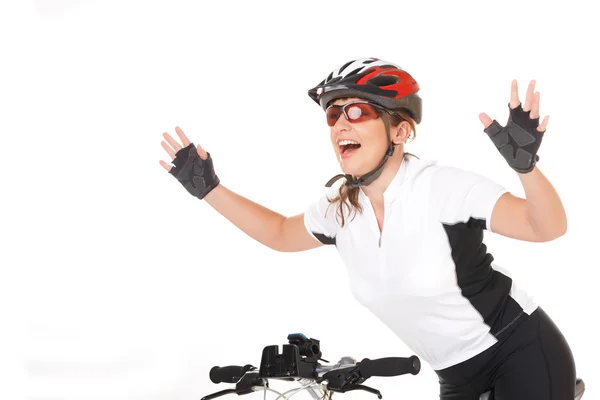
{"type": "Point", "coordinates": [347, 197]}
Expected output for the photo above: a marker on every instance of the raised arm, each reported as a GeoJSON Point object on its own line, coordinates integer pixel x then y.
{"type": "Point", "coordinates": [268, 227]}
{"type": "Point", "coordinates": [540, 216]}
{"type": "Point", "coordinates": [194, 170]}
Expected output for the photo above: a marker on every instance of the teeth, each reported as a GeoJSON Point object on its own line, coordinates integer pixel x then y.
{"type": "Point", "coordinates": [345, 142]}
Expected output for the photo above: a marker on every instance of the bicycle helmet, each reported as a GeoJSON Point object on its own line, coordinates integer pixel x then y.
{"type": "Point", "coordinates": [373, 79]}
{"type": "Point", "coordinates": [376, 80]}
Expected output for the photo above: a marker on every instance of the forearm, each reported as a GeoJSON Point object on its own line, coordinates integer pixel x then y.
{"type": "Point", "coordinates": [258, 222]}
{"type": "Point", "coordinates": [544, 208]}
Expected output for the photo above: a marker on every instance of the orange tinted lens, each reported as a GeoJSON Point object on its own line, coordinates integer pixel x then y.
{"type": "Point", "coordinates": [361, 112]}
{"type": "Point", "coordinates": [357, 112]}
{"type": "Point", "coordinates": [333, 114]}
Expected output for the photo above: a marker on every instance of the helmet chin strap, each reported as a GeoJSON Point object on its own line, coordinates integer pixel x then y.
{"type": "Point", "coordinates": [370, 176]}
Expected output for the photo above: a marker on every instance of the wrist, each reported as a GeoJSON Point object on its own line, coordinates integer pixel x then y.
{"type": "Point", "coordinates": [214, 193]}
{"type": "Point", "coordinates": [525, 174]}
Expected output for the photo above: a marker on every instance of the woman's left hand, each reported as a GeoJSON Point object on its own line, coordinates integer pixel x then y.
{"type": "Point", "coordinates": [520, 139]}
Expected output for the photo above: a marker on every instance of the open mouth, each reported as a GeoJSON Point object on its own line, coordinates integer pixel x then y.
{"type": "Point", "coordinates": [348, 147]}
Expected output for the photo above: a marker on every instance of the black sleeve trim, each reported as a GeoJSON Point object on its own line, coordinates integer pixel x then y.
{"type": "Point", "coordinates": [477, 223]}
{"type": "Point", "coordinates": [324, 239]}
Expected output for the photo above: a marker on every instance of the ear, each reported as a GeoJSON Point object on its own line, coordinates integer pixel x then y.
{"type": "Point", "coordinates": [401, 133]}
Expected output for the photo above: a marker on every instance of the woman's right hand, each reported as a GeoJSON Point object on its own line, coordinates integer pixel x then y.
{"type": "Point", "coordinates": [193, 165]}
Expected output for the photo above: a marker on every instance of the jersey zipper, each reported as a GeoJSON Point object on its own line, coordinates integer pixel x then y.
{"type": "Point", "coordinates": [377, 223]}
{"type": "Point", "coordinates": [383, 224]}
{"type": "Point", "coordinates": [381, 255]}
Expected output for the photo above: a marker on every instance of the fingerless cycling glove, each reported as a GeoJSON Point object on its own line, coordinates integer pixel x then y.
{"type": "Point", "coordinates": [519, 140]}
{"type": "Point", "coordinates": [195, 174]}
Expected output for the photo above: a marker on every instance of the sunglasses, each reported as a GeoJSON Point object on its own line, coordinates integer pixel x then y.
{"type": "Point", "coordinates": [356, 111]}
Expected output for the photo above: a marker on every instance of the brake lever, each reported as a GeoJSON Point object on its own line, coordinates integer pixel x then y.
{"type": "Point", "coordinates": [356, 387]}
{"type": "Point", "coordinates": [218, 394]}
{"type": "Point", "coordinates": [244, 386]}
{"type": "Point", "coordinates": [343, 377]}
{"type": "Point", "coordinates": [347, 379]}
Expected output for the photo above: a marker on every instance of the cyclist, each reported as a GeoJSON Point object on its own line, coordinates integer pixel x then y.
{"type": "Point", "coordinates": [410, 233]}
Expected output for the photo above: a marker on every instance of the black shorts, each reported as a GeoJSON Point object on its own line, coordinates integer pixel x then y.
{"type": "Point", "coordinates": [533, 362]}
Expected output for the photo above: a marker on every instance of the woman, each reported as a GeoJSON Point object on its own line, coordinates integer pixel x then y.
{"type": "Point", "coordinates": [411, 233]}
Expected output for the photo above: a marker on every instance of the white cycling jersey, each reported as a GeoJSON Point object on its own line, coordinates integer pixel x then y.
{"type": "Point", "coordinates": [428, 274]}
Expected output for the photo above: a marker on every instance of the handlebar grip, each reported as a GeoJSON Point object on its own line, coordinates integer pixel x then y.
{"type": "Point", "coordinates": [390, 366]}
{"type": "Point", "coordinates": [229, 374]}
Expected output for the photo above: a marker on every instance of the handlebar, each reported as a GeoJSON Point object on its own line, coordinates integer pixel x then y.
{"type": "Point", "coordinates": [390, 366]}
{"type": "Point", "coordinates": [299, 361]}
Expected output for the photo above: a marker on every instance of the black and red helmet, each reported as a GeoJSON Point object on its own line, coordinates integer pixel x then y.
{"type": "Point", "coordinates": [372, 79]}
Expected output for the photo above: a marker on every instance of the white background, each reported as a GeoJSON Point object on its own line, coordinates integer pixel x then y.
{"type": "Point", "coordinates": [116, 283]}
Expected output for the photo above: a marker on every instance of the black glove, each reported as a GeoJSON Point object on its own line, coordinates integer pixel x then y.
{"type": "Point", "coordinates": [519, 140]}
{"type": "Point", "coordinates": [195, 174]}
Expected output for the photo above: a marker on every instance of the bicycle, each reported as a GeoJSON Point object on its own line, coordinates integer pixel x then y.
{"type": "Point", "coordinates": [299, 362]}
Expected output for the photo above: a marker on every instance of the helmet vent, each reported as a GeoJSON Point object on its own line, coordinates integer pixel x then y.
{"type": "Point", "coordinates": [334, 80]}
{"type": "Point", "coordinates": [343, 67]}
{"type": "Point", "coordinates": [384, 80]}
{"type": "Point", "coordinates": [356, 71]}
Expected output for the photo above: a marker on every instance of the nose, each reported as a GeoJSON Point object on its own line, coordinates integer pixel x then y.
{"type": "Point", "coordinates": [341, 124]}
{"type": "Point", "coordinates": [340, 127]}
